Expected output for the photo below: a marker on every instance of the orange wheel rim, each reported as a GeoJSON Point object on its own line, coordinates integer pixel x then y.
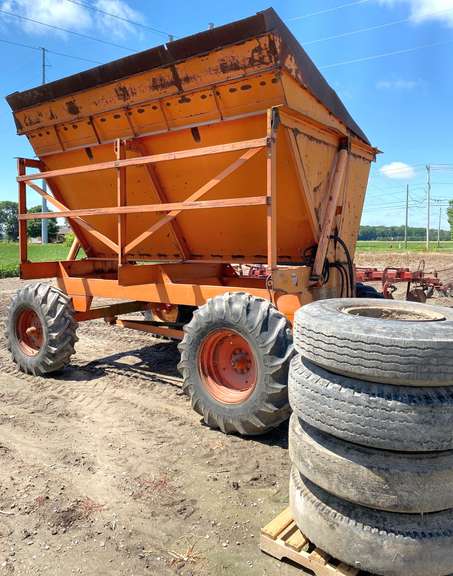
{"type": "Point", "coordinates": [29, 332]}
{"type": "Point", "coordinates": [227, 366]}
{"type": "Point", "coordinates": [165, 312]}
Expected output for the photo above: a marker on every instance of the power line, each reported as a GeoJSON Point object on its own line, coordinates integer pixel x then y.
{"type": "Point", "coordinates": [393, 208]}
{"type": "Point", "coordinates": [334, 9]}
{"type": "Point", "coordinates": [79, 34]}
{"type": "Point", "coordinates": [38, 48]}
{"type": "Point", "coordinates": [442, 167]}
{"type": "Point", "coordinates": [122, 18]}
{"type": "Point", "coordinates": [372, 28]}
{"type": "Point", "coordinates": [386, 54]}
{"type": "Point", "coordinates": [74, 57]}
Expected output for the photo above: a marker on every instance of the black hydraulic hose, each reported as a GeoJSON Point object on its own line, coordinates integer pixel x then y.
{"type": "Point", "coordinates": [340, 241]}
{"type": "Point", "coordinates": [342, 274]}
{"type": "Point", "coordinates": [326, 272]}
{"type": "Point", "coordinates": [346, 280]}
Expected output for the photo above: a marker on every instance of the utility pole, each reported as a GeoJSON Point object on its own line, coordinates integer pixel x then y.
{"type": "Point", "coordinates": [428, 216]}
{"type": "Point", "coordinates": [407, 217]}
{"type": "Point", "coordinates": [44, 221]}
{"type": "Point", "coordinates": [438, 228]}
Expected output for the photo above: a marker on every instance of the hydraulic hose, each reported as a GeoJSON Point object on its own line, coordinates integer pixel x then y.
{"type": "Point", "coordinates": [340, 241]}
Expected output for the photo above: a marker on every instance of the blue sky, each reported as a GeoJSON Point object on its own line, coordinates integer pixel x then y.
{"type": "Point", "coordinates": [403, 101]}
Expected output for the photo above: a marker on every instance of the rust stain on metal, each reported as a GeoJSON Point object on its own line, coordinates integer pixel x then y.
{"type": "Point", "coordinates": [32, 120]}
{"type": "Point", "coordinates": [160, 83]}
{"type": "Point", "coordinates": [231, 64]}
{"type": "Point", "coordinates": [124, 93]}
{"type": "Point", "coordinates": [176, 79]}
{"type": "Point", "coordinates": [261, 55]}
{"type": "Point", "coordinates": [72, 108]}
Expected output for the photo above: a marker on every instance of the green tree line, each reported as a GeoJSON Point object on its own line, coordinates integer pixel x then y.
{"type": "Point", "coordinates": [397, 233]}
{"type": "Point", "coordinates": [9, 225]}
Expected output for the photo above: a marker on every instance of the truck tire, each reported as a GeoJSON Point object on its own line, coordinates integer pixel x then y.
{"type": "Point", "coordinates": [40, 329]}
{"type": "Point", "coordinates": [386, 341]}
{"type": "Point", "coordinates": [393, 481]}
{"type": "Point", "coordinates": [234, 361]}
{"type": "Point", "coordinates": [377, 415]}
{"type": "Point", "coordinates": [386, 543]}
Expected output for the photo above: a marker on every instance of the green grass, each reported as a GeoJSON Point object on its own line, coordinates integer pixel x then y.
{"type": "Point", "coordinates": [398, 246]}
{"type": "Point", "coordinates": [9, 256]}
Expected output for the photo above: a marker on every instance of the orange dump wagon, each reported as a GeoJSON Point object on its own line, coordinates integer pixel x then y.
{"type": "Point", "coordinates": [178, 168]}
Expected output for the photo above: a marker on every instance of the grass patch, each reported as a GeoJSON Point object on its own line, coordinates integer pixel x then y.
{"type": "Point", "coordinates": [9, 256]}
{"type": "Point", "coordinates": [398, 246]}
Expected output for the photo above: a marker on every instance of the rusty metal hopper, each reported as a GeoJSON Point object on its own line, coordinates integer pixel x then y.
{"type": "Point", "coordinates": [210, 92]}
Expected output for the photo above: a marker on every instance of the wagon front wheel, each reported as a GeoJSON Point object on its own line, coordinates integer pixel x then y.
{"type": "Point", "coordinates": [40, 329]}
{"type": "Point", "coordinates": [234, 361]}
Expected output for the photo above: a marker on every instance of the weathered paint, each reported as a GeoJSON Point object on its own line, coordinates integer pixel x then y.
{"type": "Point", "coordinates": [204, 99]}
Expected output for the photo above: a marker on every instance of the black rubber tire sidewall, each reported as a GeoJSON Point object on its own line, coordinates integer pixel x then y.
{"type": "Point", "coordinates": [29, 363]}
{"type": "Point", "coordinates": [56, 314]}
{"type": "Point", "coordinates": [271, 343]}
{"type": "Point", "coordinates": [385, 543]}
{"type": "Point", "coordinates": [381, 479]}
{"type": "Point", "coordinates": [415, 353]}
{"type": "Point", "coordinates": [400, 418]}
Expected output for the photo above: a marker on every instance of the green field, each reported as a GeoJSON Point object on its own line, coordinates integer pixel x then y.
{"type": "Point", "coordinates": [398, 246]}
{"type": "Point", "coordinates": [9, 256]}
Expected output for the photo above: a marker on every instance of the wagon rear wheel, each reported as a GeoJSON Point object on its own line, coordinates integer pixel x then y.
{"type": "Point", "coordinates": [234, 360]}
{"type": "Point", "coordinates": [178, 314]}
{"type": "Point", "coordinates": [41, 330]}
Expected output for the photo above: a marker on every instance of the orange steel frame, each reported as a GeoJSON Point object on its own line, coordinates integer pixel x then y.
{"type": "Point", "coordinates": [196, 281]}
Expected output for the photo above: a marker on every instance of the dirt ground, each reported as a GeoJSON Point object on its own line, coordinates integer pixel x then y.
{"type": "Point", "coordinates": [106, 470]}
{"type": "Point", "coordinates": [411, 260]}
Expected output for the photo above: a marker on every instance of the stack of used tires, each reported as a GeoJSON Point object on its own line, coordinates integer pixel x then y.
{"type": "Point", "coordinates": [371, 435]}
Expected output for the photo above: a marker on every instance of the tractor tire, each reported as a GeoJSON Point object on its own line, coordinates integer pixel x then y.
{"type": "Point", "coordinates": [40, 329]}
{"type": "Point", "coordinates": [386, 543]}
{"type": "Point", "coordinates": [386, 341]}
{"type": "Point", "coordinates": [382, 416]}
{"type": "Point", "coordinates": [234, 361]}
{"type": "Point", "coordinates": [381, 479]}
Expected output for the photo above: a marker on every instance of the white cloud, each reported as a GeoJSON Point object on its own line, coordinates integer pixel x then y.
{"type": "Point", "coordinates": [63, 14]}
{"type": "Point", "coordinates": [398, 84]}
{"type": "Point", "coordinates": [424, 10]}
{"type": "Point", "coordinates": [72, 16]}
{"type": "Point", "coordinates": [117, 26]}
{"type": "Point", "coordinates": [398, 171]}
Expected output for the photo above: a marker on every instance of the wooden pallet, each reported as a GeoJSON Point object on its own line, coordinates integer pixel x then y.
{"type": "Point", "coordinates": [281, 538]}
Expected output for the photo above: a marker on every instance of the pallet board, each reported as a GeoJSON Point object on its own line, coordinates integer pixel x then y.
{"type": "Point", "coordinates": [281, 538]}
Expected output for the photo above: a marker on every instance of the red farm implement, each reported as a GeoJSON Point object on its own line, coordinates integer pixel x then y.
{"type": "Point", "coordinates": [420, 285]}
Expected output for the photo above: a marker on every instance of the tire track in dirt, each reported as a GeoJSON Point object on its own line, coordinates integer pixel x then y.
{"type": "Point", "coordinates": [99, 385]}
